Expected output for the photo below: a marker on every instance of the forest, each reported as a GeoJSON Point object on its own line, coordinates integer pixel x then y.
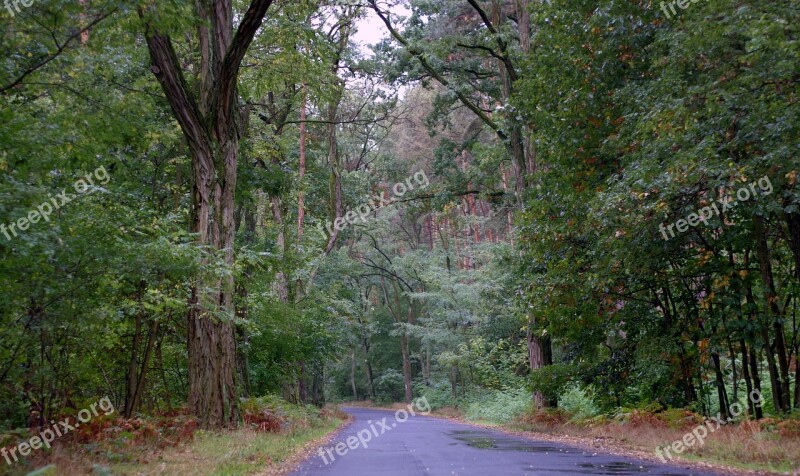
{"type": "Point", "coordinates": [524, 211]}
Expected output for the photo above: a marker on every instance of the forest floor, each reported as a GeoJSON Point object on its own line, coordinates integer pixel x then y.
{"type": "Point", "coordinates": [242, 452]}
{"type": "Point", "coordinates": [174, 446]}
{"type": "Point", "coordinates": [767, 447]}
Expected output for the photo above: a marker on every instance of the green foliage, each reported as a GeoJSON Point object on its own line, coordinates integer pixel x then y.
{"type": "Point", "coordinates": [578, 403]}
{"type": "Point", "coordinates": [497, 406]}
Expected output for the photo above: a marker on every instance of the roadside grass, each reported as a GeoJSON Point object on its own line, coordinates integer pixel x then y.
{"type": "Point", "coordinates": [766, 445]}
{"type": "Point", "coordinates": [274, 434]}
{"type": "Point", "coordinates": [769, 445]}
{"type": "Point", "coordinates": [242, 452]}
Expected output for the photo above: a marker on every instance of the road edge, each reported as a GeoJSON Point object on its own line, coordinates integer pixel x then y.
{"type": "Point", "coordinates": [309, 449]}
{"type": "Point", "coordinates": [617, 449]}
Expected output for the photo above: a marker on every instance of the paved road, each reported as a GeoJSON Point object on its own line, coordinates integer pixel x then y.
{"type": "Point", "coordinates": [430, 446]}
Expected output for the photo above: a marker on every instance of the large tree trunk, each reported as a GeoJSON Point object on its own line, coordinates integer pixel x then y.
{"type": "Point", "coordinates": [209, 125]}
{"type": "Point", "coordinates": [539, 355]}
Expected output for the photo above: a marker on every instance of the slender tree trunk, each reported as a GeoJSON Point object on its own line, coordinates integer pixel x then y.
{"type": "Point", "coordinates": [163, 373]}
{"type": "Point", "coordinates": [722, 394]}
{"type": "Point", "coordinates": [370, 381]}
{"type": "Point", "coordinates": [301, 205]}
{"type": "Point", "coordinates": [133, 366]}
{"type": "Point", "coordinates": [770, 296]}
{"type": "Point", "coordinates": [148, 352]}
{"type": "Point", "coordinates": [404, 347]}
{"type": "Point", "coordinates": [747, 381]}
{"type": "Point", "coordinates": [353, 374]}
{"type": "Point", "coordinates": [793, 238]}
{"type": "Point", "coordinates": [406, 367]}
{"type": "Point", "coordinates": [797, 380]}
{"type": "Point", "coordinates": [734, 372]}
{"type": "Point", "coordinates": [756, 381]}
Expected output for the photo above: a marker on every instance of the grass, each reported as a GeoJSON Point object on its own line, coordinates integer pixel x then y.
{"type": "Point", "coordinates": [242, 452]}
{"type": "Point", "coordinates": [760, 446]}
{"type": "Point", "coordinates": [275, 433]}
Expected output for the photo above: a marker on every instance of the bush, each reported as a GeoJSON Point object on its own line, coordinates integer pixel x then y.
{"type": "Point", "coordinates": [272, 414]}
{"type": "Point", "coordinates": [439, 394]}
{"type": "Point", "coordinates": [498, 407]}
{"type": "Point", "coordinates": [578, 404]}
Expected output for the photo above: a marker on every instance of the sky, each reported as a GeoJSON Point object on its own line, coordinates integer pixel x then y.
{"type": "Point", "coordinates": [371, 29]}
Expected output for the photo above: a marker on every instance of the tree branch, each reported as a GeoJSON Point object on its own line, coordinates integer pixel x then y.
{"type": "Point", "coordinates": [59, 49]}
{"type": "Point", "coordinates": [435, 74]}
{"type": "Point", "coordinates": [226, 95]}
{"type": "Point", "coordinates": [512, 72]}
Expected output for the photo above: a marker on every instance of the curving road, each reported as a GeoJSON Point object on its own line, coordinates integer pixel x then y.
{"type": "Point", "coordinates": [376, 443]}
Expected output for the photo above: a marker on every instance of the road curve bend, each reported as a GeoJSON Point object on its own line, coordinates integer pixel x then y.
{"type": "Point", "coordinates": [381, 442]}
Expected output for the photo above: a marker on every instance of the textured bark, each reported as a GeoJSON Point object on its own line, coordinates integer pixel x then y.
{"type": "Point", "coordinates": [211, 129]}
{"type": "Point", "coordinates": [539, 355]}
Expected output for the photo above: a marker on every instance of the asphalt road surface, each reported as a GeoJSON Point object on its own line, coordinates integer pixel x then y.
{"type": "Point", "coordinates": [380, 444]}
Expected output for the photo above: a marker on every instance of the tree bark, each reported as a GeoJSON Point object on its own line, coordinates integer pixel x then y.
{"type": "Point", "coordinates": [211, 129]}
{"type": "Point", "coordinates": [722, 394]}
{"type": "Point", "coordinates": [756, 382]}
{"type": "Point", "coordinates": [539, 355]}
{"type": "Point", "coordinates": [747, 381]}
{"type": "Point", "coordinates": [783, 398]}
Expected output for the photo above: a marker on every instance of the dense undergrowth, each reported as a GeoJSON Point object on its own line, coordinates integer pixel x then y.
{"type": "Point", "coordinates": [112, 445]}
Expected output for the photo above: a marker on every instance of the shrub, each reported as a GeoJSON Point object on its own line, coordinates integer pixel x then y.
{"type": "Point", "coordinates": [272, 414]}
{"type": "Point", "coordinates": [578, 403]}
{"type": "Point", "coordinates": [498, 407]}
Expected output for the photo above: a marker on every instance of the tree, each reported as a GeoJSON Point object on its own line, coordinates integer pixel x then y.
{"type": "Point", "coordinates": [209, 119]}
